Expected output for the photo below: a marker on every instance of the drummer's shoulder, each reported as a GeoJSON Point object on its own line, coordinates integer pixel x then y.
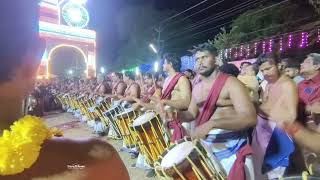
{"type": "Point", "coordinates": [183, 81]}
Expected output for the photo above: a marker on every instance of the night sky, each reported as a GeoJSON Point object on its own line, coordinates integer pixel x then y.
{"type": "Point", "coordinates": [103, 13]}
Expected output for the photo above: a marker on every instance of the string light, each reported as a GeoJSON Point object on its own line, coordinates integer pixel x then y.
{"type": "Point", "coordinates": [270, 45]}
{"type": "Point", "coordinates": [306, 39]}
{"type": "Point", "coordinates": [248, 51]}
{"type": "Point", "coordinates": [226, 53]}
{"type": "Point", "coordinates": [290, 41]}
{"type": "Point", "coordinates": [318, 40]}
{"type": "Point", "coordinates": [281, 44]}
{"type": "Point", "coordinates": [241, 50]}
{"type": "Point", "coordinates": [302, 44]}
{"type": "Point", "coordinates": [255, 48]}
{"type": "Point", "coordinates": [263, 47]}
{"type": "Point", "coordinates": [236, 54]}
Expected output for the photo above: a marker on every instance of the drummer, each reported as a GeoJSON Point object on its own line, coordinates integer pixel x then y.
{"type": "Point", "coordinates": [101, 88]}
{"type": "Point", "coordinates": [118, 86]}
{"type": "Point", "coordinates": [273, 149]}
{"type": "Point", "coordinates": [147, 92]}
{"type": "Point", "coordinates": [133, 89]}
{"type": "Point", "coordinates": [219, 124]}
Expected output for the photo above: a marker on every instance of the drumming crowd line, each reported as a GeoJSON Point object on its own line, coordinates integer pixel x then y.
{"type": "Point", "coordinates": [259, 122]}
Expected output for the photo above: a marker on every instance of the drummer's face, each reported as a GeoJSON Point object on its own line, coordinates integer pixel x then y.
{"type": "Point", "coordinates": [147, 80]}
{"type": "Point", "coordinates": [114, 78]}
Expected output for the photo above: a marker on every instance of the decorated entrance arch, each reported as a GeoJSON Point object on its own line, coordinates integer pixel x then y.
{"type": "Point", "coordinates": [63, 24]}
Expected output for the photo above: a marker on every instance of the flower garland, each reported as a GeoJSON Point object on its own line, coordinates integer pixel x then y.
{"type": "Point", "coordinates": [20, 147]}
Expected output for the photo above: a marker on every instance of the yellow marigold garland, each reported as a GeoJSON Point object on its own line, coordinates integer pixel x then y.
{"type": "Point", "coordinates": [20, 147]}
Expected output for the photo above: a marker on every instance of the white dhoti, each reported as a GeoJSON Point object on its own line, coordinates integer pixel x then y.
{"type": "Point", "coordinates": [222, 147]}
{"type": "Point", "coordinates": [99, 127]}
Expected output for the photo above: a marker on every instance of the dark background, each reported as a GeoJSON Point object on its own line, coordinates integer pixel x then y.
{"type": "Point", "coordinates": [103, 13]}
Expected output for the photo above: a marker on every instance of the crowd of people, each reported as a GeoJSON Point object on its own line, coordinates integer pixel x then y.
{"type": "Point", "coordinates": [270, 107]}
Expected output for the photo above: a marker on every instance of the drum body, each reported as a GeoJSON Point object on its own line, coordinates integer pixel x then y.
{"type": "Point", "coordinates": [124, 121]}
{"type": "Point", "coordinates": [187, 160]}
{"type": "Point", "coordinates": [109, 117]}
{"type": "Point", "coordinates": [151, 136]}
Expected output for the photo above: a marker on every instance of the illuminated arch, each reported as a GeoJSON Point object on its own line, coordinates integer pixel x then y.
{"type": "Point", "coordinates": [66, 45]}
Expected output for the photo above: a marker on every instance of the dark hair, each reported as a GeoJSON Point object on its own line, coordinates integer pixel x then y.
{"type": "Point", "coordinates": [119, 75]}
{"type": "Point", "coordinates": [267, 58]}
{"type": "Point", "coordinates": [149, 75]}
{"type": "Point", "coordinates": [130, 74]}
{"type": "Point", "coordinates": [19, 30]}
{"type": "Point", "coordinates": [315, 57]}
{"type": "Point", "coordinates": [174, 60]}
{"type": "Point", "coordinates": [191, 72]}
{"type": "Point", "coordinates": [255, 68]}
{"type": "Point", "coordinates": [230, 69]}
{"type": "Point", "coordinates": [292, 63]}
{"type": "Point", "coordinates": [243, 63]}
{"type": "Point", "coordinates": [205, 47]}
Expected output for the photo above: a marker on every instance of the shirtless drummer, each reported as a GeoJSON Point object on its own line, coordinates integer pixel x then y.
{"type": "Point", "coordinates": [273, 148]}
{"type": "Point", "coordinates": [222, 111]}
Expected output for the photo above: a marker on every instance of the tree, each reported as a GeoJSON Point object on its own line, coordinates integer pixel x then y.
{"type": "Point", "coordinates": [260, 23]}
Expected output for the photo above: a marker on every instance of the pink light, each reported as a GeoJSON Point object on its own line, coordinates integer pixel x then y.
{"type": "Point", "coordinates": [236, 53]}
{"type": "Point", "coordinates": [248, 51]}
{"type": "Point", "coordinates": [241, 50]}
{"type": "Point", "coordinates": [270, 45]}
{"type": "Point", "coordinates": [263, 47]}
{"type": "Point", "coordinates": [318, 36]}
{"type": "Point", "coordinates": [290, 41]}
{"type": "Point", "coordinates": [306, 39]}
{"type": "Point", "coordinates": [302, 40]}
{"type": "Point", "coordinates": [281, 44]}
{"type": "Point", "coordinates": [255, 48]}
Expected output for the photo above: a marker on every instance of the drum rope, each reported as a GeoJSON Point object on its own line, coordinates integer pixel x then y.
{"type": "Point", "coordinates": [178, 172]}
{"type": "Point", "coordinates": [197, 169]}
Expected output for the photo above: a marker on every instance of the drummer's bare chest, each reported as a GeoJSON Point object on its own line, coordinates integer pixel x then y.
{"type": "Point", "coordinates": [201, 92]}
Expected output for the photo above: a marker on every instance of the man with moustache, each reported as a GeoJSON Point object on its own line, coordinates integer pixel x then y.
{"type": "Point", "coordinates": [222, 111]}
{"type": "Point", "coordinates": [273, 148]}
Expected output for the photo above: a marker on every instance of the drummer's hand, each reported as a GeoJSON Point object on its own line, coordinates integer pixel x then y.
{"type": "Point", "coordinates": [160, 109]}
{"type": "Point", "coordinates": [135, 106]}
{"type": "Point", "coordinates": [136, 100]}
{"type": "Point", "coordinates": [314, 108]}
{"type": "Point", "coordinates": [155, 99]}
{"type": "Point", "coordinates": [199, 133]}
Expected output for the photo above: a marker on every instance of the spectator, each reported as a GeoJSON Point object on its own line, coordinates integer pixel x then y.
{"type": "Point", "coordinates": [292, 70]}
{"type": "Point", "coordinates": [230, 69]}
{"type": "Point", "coordinates": [243, 66]}
{"type": "Point", "coordinates": [250, 80]}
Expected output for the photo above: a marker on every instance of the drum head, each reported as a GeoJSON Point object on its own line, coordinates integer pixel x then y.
{"type": "Point", "coordinates": [177, 154]}
{"type": "Point", "coordinates": [143, 119]}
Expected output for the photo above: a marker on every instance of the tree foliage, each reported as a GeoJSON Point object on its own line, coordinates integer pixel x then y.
{"type": "Point", "coordinates": [261, 23]}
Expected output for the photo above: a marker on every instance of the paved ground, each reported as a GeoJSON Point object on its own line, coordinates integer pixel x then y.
{"type": "Point", "coordinates": [74, 129]}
